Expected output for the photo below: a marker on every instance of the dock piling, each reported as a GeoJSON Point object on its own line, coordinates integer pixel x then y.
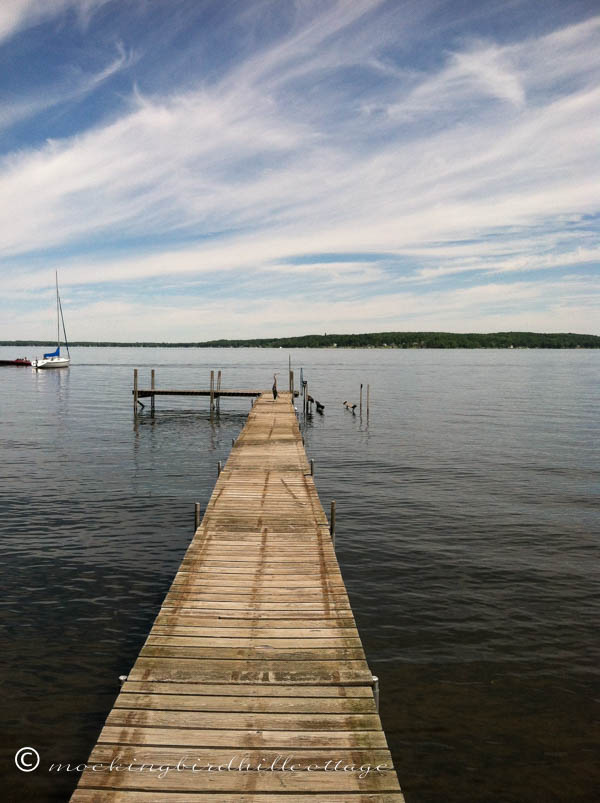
{"type": "Point", "coordinates": [332, 522]}
{"type": "Point", "coordinates": [376, 692]}
{"type": "Point", "coordinates": [219, 468]}
{"type": "Point", "coordinates": [212, 391]}
{"type": "Point", "coordinates": [152, 388]}
{"type": "Point", "coordinates": [312, 467]}
{"type": "Point", "coordinates": [196, 515]}
{"type": "Point", "coordinates": [135, 390]}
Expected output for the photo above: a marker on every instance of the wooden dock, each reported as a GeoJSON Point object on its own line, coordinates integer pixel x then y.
{"type": "Point", "coordinates": [252, 686]}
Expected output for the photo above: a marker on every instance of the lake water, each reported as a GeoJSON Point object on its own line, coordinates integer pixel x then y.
{"type": "Point", "coordinates": [468, 521]}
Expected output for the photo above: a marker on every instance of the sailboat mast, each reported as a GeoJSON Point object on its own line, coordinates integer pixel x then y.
{"type": "Point", "coordinates": [62, 318]}
{"type": "Point", "coordinates": [57, 315]}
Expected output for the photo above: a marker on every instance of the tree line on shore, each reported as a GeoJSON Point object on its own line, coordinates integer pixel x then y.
{"type": "Point", "coordinates": [404, 340]}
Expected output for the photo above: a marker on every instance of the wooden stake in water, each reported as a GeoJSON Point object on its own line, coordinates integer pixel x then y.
{"type": "Point", "coordinates": [212, 390]}
{"type": "Point", "coordinates": [152, 388]}
{"type": "Point", "coordinates": [332, 523]}
{"type": "Point", "coordinates": [218, 391]}
{"type": "Point", "coordinates": [368, 391]}
{"type": "Point", "coordinates": [312, 468]}
{"type": "Point", "coordinates": [196, 515]}
{"type": "Point", "coordinates": [219, 468]}
{"type": "Point", "coordinates": [360, 408]}
{"type": "Point", "coordinates": [135, 390]}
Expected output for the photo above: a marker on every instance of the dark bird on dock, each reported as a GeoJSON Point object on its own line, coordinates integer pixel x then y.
{"type": "Point", "coordinates": [348, 406]}
{"type": "Point", "coordinates": [274, 387]}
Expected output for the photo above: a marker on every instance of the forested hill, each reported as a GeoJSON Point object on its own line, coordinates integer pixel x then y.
{"type": "Point", "coordinates": [404, 340]}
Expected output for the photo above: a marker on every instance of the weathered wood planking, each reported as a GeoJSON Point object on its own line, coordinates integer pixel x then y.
{"type": "Point", "coordinates": [254, 657]}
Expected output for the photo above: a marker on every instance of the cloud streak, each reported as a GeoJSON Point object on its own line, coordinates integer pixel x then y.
{"type": "Point", "coordinates": [15, 15]}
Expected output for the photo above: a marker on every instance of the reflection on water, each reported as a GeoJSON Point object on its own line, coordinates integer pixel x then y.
{"type": "Point", "coordinates": [467, 527]}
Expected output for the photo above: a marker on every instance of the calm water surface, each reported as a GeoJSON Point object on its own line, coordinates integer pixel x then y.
{"type": "Point", "coordinates": [468, 521]}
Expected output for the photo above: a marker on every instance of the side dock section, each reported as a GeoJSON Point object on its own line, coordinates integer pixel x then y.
{"type": "Point", "coordinates": [252, 685]}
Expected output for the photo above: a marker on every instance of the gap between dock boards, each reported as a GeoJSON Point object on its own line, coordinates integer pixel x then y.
{"type": "Point", "coordinates": [253, 670]}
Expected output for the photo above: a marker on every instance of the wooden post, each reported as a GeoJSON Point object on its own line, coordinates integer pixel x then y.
{"type": "Point", "coordinates": [312, 467]}
{"type": "Point", "coordinates": [376, 691]}
{"type": "Point", "coordinates": [135, 390]}
{"type": "Point", "coordinates": [368, 389]}
{"type": "Point", "coordinates": [332, 523]}
{"type": "Point", "coordinates": [218, 393]}
{"type": "Point", "coordinates": [360, 408]}
{"type": "Point", "coordinates": [212, 390]}
{"type": "Point", "coordinates": [292, 384]}
{"type": "Point", "coordinates": [196, 515]}
{"type": "Point", "coordinates": [219, 468]}
{"type": "Point", "coordinates": [152, 388]}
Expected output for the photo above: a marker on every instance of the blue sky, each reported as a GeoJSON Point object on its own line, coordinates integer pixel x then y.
{"type": "Point", "coordinates": [199, 169]}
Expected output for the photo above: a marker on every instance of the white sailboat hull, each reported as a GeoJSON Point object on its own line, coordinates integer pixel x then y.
{"type": "Point", "coordinates": [52, 362]}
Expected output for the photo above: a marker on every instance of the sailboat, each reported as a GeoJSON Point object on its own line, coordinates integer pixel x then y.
{"type": "Point", "coordinates": [54, 358]}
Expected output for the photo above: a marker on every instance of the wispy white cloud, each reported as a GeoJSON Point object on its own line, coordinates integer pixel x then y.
{"type": "Point", "coordinates": [74, 89]}
{"type": "Point", "coordinates": [490, 307]}
{"type": "Point", "coordinates": [18, 14]}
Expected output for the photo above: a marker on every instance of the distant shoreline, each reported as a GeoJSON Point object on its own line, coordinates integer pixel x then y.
{"type": "Point", "coordinates": [387, 340]}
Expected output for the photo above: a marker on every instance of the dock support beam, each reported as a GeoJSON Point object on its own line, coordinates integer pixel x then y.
{"type": "Point", "coordinates": [212, 391]}
{"type": "Point", "coordinates": [152, 387]}
{"type": "Point", "coordinates": [196, 515]}
{"type": "Point", "coordinates": [312, 467]}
